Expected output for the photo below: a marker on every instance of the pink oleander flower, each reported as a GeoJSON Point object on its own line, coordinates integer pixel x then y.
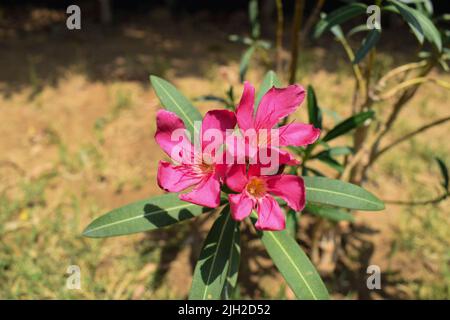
{"type": "Point", "coordinates": [256, 191]}
{"type": "Point", "coordinates": [194, 168]}
{"type": "Point", "coordinates": [275, 105]}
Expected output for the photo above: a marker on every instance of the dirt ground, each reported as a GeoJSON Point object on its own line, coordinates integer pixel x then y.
{"type": "Point", "coordinates": [76, 139]}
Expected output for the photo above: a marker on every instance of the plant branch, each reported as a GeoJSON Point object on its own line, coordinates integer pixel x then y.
{"type": "Point", "coordinates": [409, 136]}
{"type": "Point", "coordinates": [298, 16]}
{"type": "Point", "coordinates": [313, 17]}
{"type": "Point", "coordinates": [418, 203]}
{"type": "Point", "coordinates": [279, 35]}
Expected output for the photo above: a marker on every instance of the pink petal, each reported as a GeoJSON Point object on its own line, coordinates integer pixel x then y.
{"type": "Point", "coordinates": [270, 161]}
{"type": "Point", "coordinates": [288, 187]}
{"type": "Point", "coordinates": [298, 134]}
{"type": "Point", "coordinates": [244, 110]}
{"type": "Point", "coordinates": [175, 178]}
{"type": "Point", "coordinates": [270, 215]}
{"type": "Point", "coordinates": [241, 206]}
{"type": "Point", "coordinates": [219, 120]}
{"type": "Point", "coordinates": [166, 124]}
{"type": "Point", "coordinates": [236, 178]}
{"type": "Point", "coordinates": [206, 194]}
{"type": "Point", "coordinates": [287, 158]}
{"type": "Point", "coordinates": [277, 104]}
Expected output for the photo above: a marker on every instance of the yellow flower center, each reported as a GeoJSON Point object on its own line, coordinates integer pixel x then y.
{"type": "Point", "coordinates": [256, 187]}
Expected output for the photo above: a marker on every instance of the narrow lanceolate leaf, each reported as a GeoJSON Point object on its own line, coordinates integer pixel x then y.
{"type": "Point", "coordinates": [332, 163]}
{"type": "Point", "coordinates": [348, 125]}
{"type": "Point", "coordinates": [329, 213]}
{"type": "Point", "coordinates": [339, 16]}
{"type": "Point", "coordinates": [340, 194]}
{"type": "Point", "coordinates": [420, 24]}
{"type": "Point", "coordinates": [270, 80]}
{"type": "Point", "coordinates": [314, 113]}
{"type": "Point", "coordinates": [294, 265]}
{"type": "Point", "coordinates": [216, 271]}
{"type": "Point", "coordinates": [245, 61]}
{"type": "Point", "coordinates": [292, 222]}
{"type": "Point", "coordinates": [334, 152]}
{"type": "Point", "coordinates": [444, 173]}
{"type": "Point", "coordinates": [145, 215]}
{"type": "Point", "coordinates": [174, 101]}
{"type": "Point", "coordinates": [368, 43]}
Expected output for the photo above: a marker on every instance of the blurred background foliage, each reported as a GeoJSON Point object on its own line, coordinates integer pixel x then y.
{"type": "Point", "coordinates": [76, 140]}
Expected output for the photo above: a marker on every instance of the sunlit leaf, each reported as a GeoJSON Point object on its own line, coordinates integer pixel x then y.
{"type": "Point", "coordinates": [174, 101]}
{"type": "Point", "coordinates": [329, 213]}
{"type": "Point", "coordinates": [294, 265]}
{"type": "Point", "coordinates": [340, 194]}
{"type": "Point", "coordinates": [144, 215]}
{"type": "Point", "coordinates": [270, 80]}
{"type": "Point", "coordinates": [348, 125]}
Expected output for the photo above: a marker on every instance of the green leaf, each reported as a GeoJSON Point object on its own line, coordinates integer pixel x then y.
{"type": "Point", "coordinates": [444, 172]}
{"type": "Point", "coordinates": [357, 29]}
{"type": "Point", "coordinates": [340, 194]}
{"type": "Point", "coordinates": [245, 61]}
{"type": "Point", "coordinates": [216, 271]}
{"type": "Point", "coordinates": [314, 113]}
{"type": "Point", "coordinates": [292, 222]}
{"type": "Point", "coordinates": [270, 80]}
{"type": "Point", "coordinates": [253, 14]}
{"type": "Point", "coordinates": [334, 152]}
{"type": "Point", "coordinates": [339, 16]}
{"type": "Point", "coordinates": [348, 125]}
{"type": "Point", "coordinates": [420, 24]}
{"type": "Point", "coordinates": [332, 163]}
{"type": "Point", "coordinates": [144, 215]}
{"type": "Point", "coordinates": [329, 213]}
{"type": "Point", "coordinates": [368, 43]}
{"type": "Point", "coordinates": [174, 101]}
{"type": "Point", "coordinates": [294, 265]}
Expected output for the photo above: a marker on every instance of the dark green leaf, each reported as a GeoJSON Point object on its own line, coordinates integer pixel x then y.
{"type": "Point", "coordinates": [340, 194]}
{"type": "Point", "coordinates": [145, 215]}
{"type": "Point", "coordinates": [314, 113]}
{"type": "Point", "coordinates": [270, 80]}
{"type": "Point", "coordinates": [174, 101]}
{"type": "Point", "coordinates": [368, 43]}
{"type": "Point", "coordinates": [348, 125]}
{"type": "Point", "coordinates": [339, 16]}
{"type": "Point", "coordinates": [444, 172]}
{"type": "Point", "coordinates": [216, 270]}
{"type": "Point", "coordinates": [419, 23]}
{"type": "Point", "coordinates": [332, 163]}
{"type": "Point", "coordinates": [329, 213]}
{"type": "Point", "coordinates": [334, 152]}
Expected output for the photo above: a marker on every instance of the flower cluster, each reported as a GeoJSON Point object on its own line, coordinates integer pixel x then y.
{"type": "Point", "coordinates": [238, 150]}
